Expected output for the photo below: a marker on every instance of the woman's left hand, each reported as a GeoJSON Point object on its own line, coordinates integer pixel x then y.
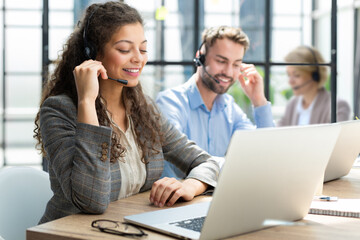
{"type": "Point", "coordinates": [169, 190]}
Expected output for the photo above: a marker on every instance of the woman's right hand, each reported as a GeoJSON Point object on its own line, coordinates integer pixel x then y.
{"type": "Point", "coordinates": [86, 79]}
{"type": "Point", "coordinates": [87, 86]}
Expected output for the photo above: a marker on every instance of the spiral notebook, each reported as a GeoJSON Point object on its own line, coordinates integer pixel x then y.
{"type": "Point", "coordinates": [340, 208]}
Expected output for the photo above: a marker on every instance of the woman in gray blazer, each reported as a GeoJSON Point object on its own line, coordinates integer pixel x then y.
{"type": "Point", "coordinates": [311, 103]}
{"type": "Point", "coordinates": [102, 137]}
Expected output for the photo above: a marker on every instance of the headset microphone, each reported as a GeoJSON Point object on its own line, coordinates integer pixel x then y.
{"type": "Point", "coordinates": [302, 85]}
{"type": "Point", "coordinates": [89, 48]}
{"type": "Point", "coordinates": [200, 61]}
{"type": "Point", "coordinates": [119, 80]}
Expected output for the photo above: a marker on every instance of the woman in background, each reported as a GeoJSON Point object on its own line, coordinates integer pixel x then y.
{"type": "Point", "coordinates": [311, 103]}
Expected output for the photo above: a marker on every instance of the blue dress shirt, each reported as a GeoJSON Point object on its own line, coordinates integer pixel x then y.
{"type": "Point", "coordinates": [211, 130]}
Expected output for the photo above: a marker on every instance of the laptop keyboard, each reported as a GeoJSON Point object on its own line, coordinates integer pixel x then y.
{"type": "Point", "coordinates": [194, 224]}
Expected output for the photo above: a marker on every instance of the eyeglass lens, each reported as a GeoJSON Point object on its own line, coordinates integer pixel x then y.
{"type": "Point", "coordinates": [118, 226]}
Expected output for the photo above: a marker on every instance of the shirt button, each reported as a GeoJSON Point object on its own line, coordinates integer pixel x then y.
{"type": "Point", "coordinates": [104, 151]}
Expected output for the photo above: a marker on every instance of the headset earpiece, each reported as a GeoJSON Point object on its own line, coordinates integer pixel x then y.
{"type": "Point", "coordinates": [197, 62]}
{"type": "Point", "coordinates": [200, 61]}
{"type": "Point", "coordinates": [89, 50]}
{"type": "Point", "coordinates": [316, 74]}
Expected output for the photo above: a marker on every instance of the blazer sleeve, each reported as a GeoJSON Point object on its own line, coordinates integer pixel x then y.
{"type": "Point", "coordinates": [74, 151]}
{"type": "Point", "coordinates": [187, 156]}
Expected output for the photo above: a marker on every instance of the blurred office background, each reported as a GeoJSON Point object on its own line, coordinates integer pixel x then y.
{"type": "Point", "coordinates": [33, 32]}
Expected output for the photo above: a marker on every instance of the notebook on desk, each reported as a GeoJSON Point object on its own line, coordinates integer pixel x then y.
{"type": "Point", "coordinates": [269, 174]}
{"type": "Point", "coordinates": [346, 150]}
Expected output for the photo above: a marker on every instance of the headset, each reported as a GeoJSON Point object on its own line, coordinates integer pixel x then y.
{"type": "Point", "coordinates": [316, 74]}
{"type": "Point", "coordinates": [200, 62]}
{"type": "Point", "coordinates": [90, 50]}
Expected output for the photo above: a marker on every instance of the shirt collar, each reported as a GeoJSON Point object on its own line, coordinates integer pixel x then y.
{"type": "Point", "coordinates": [195, 99]}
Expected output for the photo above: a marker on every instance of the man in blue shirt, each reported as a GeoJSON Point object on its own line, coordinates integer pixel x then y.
{"type": "Point", "coordinates": [202, 109]}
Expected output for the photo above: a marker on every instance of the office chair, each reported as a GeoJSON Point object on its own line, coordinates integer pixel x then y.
{"type": "Point", "coordinates": [24, 193]}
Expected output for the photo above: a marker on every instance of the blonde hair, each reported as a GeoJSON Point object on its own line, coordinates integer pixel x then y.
{"type": "Point", "coordinates": [307, 54]}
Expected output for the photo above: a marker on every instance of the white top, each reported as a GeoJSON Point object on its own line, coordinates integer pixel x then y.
{"type": "Point", "coordinates": [304, 114]}
{"type": "Point", "coordinates": [132, 169]}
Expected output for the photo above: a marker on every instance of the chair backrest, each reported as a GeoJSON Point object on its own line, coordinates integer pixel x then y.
{"type": "Point", "coordinates": [24, 193]}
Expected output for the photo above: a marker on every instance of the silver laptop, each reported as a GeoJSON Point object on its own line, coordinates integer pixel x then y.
{"type": "Point", "coordinates": [269, 175]}
{"type": "Point", "coordinates": [346, 150]}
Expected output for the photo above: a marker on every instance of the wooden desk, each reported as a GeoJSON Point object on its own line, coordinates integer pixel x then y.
{"type": "Point", "coordinates": [316, 227]}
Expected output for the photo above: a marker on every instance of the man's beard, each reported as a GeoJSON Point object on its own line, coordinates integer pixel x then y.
{"type": "Point", "coordinates": [213, 86]}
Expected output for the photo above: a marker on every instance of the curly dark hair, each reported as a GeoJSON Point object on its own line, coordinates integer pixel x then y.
{"type": "Point", "coordinates": [105, 19]}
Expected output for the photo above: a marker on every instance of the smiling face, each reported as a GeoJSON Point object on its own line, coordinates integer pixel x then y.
{"type": "Point", "coordinates": [223, 61]}
{"type": "Point", "coordinates": [125, 55]}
